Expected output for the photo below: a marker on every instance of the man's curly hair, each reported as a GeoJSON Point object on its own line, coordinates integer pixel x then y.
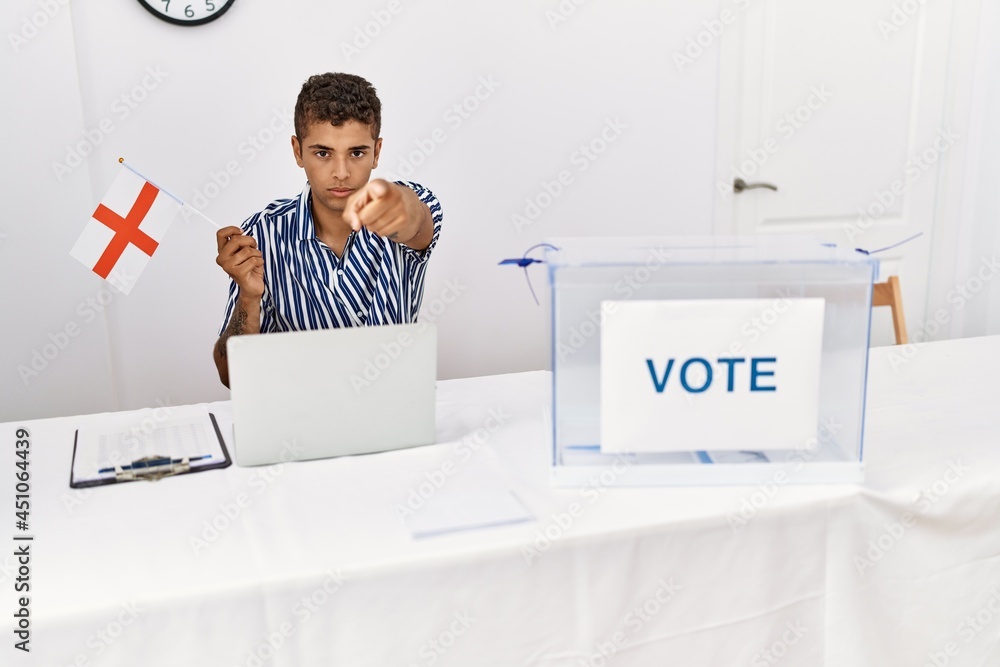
{"type": "Point", "coordinates": [336, 98]}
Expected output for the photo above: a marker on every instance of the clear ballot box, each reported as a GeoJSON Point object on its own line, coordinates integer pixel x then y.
{"type": "Point", "coordinates": [722, 360]}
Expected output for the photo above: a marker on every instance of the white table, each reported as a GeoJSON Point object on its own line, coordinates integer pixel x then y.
{"type": "Point", "coordinates": [316, 568]}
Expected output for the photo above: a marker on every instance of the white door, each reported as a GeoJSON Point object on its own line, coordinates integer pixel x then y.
{"type": "Point", "coordinates": [841, 106]}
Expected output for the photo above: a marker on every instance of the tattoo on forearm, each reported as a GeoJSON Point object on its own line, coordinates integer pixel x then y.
{"type": "Point", "coordinates": [237, 325]}
{"type": "Point", "coordinates": [240, 322]}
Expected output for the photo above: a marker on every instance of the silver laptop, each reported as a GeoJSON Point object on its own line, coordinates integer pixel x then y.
{"type": "Point", "coordinates": [318, 394]}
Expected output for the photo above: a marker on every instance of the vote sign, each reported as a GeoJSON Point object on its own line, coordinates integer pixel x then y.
{"type": "Point", "coordinates": [713, 374]}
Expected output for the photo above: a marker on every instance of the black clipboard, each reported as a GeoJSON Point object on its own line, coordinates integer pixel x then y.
{"type": "Point", "coordinates": [173, 472]}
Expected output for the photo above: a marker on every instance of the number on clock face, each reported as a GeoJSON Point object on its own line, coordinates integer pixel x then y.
{"type": "Point", "coordinates": [187, 12]}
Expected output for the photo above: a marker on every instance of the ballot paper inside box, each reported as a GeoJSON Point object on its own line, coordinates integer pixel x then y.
{"type": "Point", "coordinates": [708, 360]}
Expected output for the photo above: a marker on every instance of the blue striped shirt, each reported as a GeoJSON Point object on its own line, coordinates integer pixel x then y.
{"type": "Point", "coordinates": [376, 281]}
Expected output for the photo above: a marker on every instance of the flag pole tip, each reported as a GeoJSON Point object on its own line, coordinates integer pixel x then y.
{"type": "Point", "coordinates": [121, 160]}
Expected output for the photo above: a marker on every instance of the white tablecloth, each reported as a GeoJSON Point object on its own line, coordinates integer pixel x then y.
{"type": "Point", "coordinates": [308, 563]}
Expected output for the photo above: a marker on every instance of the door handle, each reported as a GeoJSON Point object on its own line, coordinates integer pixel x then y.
{"type": "Point", "coordinates": [739, 185]}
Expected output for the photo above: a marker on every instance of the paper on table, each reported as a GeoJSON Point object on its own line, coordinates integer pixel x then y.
{"type": "Point", "coordinates": [477, 495]}
{"type": "Point", "coordinates": [174, 432]}
{"type": "Point", "coordinates": [453, 511]}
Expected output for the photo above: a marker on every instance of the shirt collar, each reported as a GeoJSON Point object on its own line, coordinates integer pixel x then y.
{"type": "Point", "coordinates": [306, 229]}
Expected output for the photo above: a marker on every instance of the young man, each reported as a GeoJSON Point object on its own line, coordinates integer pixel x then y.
{"type": "Point", "coordinates": [345, 252]}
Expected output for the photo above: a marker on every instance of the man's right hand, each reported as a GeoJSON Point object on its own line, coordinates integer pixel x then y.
{"type": "Point", "coordinates": [240, 258]}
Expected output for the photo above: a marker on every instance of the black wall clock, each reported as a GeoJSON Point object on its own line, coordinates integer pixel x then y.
{"type": "Point", "coordinates": [187, 12]}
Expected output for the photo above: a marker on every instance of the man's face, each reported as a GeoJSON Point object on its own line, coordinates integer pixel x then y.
{"type": "Point", "coordinates": [338, 160]}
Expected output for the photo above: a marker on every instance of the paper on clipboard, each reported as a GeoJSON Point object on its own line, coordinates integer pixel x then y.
{"type": "Point", "coordinates": [103, 449]}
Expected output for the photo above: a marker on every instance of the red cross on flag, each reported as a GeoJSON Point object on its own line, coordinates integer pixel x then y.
{"type": "Point", "coordinates": [125, 230]}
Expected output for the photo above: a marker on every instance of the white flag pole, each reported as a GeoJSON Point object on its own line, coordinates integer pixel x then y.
{"type": "Point", "coordinates": [203, 216]}
{"type": "Point", "coordinates": [170, 194]}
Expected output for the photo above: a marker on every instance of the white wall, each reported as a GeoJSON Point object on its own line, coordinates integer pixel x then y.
{"type": "Point", "coordinates": [43, 293]}
{"type": "Point", "coordinates": [220, 84]}
{"type": "Point", "coordinates": [978, 226]}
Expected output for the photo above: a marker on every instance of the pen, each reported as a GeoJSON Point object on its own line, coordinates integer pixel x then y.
{"type": "Point", "coordinates": [152, 463]}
